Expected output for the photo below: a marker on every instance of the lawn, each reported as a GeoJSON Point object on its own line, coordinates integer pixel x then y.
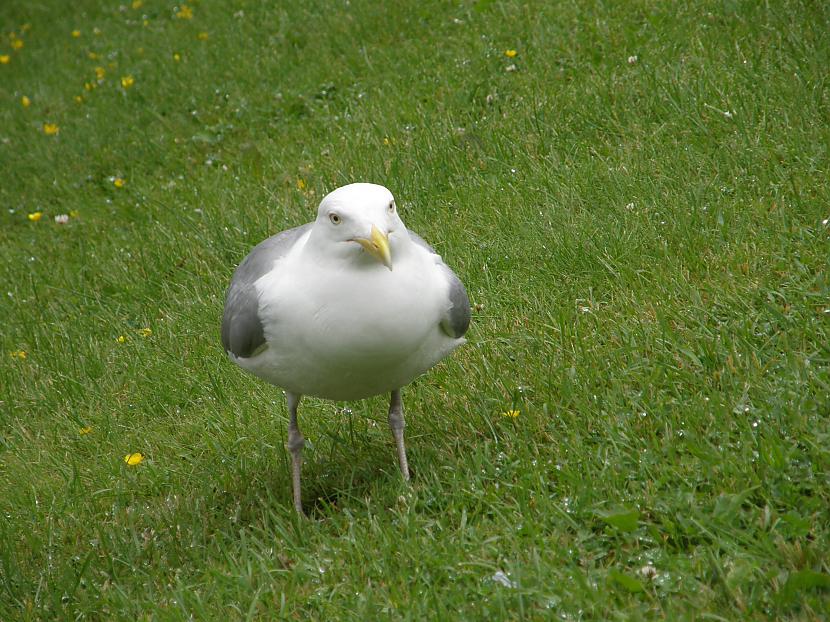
{"type": "Point", "coordinates": [636, 196]}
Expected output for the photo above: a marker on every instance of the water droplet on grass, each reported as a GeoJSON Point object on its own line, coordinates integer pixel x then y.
{"type": "Point", "coordinates": [502, 579]}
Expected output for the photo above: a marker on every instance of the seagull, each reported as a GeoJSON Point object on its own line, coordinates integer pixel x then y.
{"type": "Point", "coordinates": [343, 308]}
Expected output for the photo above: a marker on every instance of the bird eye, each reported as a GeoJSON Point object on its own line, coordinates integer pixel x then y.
{"type": "Point", "coordinates": [335, 219]}
{"type": "Point", "coordinates": [391, 206]}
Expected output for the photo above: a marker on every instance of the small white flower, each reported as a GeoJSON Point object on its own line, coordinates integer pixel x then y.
{"type": "Point", "coordinates": [648, 571]}
{"type": "Point", "coordinates": [62, 219]}
{"type": "Point", "coordinates": [826, 222]}
{"type": "Point", "coordinates": [727, 114]}
{"type": "Point", "coordinates": [510, 68]}
{"type": "Point", "coordinates": [632, 59]}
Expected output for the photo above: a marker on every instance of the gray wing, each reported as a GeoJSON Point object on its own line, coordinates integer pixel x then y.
{"type": "Point", "coordinates": [457, 321]}
{"type": "Point", "coordinates": [242, 332]}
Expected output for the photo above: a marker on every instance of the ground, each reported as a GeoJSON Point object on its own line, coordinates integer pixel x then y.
{"type": "Point", "coordinates": [636, 196]}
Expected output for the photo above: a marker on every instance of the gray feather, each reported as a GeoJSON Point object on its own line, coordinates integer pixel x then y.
{"type": "Point", "coordinates": [242, 332]}
{"type": "Point", "coordinates": [457, 320]}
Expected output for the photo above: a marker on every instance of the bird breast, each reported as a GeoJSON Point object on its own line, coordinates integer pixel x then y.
{"type": "Point", "coordinates": [345, 319]}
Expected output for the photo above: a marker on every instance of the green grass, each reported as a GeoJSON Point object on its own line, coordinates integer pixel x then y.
{"type": "Point", "coordinates": [644, 242]}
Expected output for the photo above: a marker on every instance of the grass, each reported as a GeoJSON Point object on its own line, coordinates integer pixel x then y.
{"type": "Point", "coordinates": [643, 238]}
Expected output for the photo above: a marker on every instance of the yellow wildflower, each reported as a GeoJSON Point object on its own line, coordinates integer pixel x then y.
{"type": "Point", "coordinates": [510, 53]}
{"type": "Point", "coordinates": [100, 72]}
{"type": "Point", "coordinates": [79, 99]}
{"type": "Point", "coordinates": [4, 59]}
{"type": "Point", "coordinates": [50, 129]}
{"type": "Point", "coordinates": [185, 12]}
{"type": "Point", "coordinates": [137, 4]}
{"type": "Point", "coordinates": [386, 141]}
{"type": "Point", "coordinates": [17, 44]}
{"type": "Point", "coordinates": [35, 216]}
{"type": "Point", "coordinates": [202, 36]}
{"type": "Point", "coordinates": [146, 22]}
{"type": "Point", "coordinates": [145, 332]}
{"type": "Point", "coordinates": [127, 81]}
{"type": "Point", "coordinates": [177, 57]}
{"type": "Point", "coordinates": [301, 183]}
{"type": "Point", "coordinates": [89, 86]}
{"type": "Point", "coordinates": [76, 33]}
{"type": "Point", "coordinates": [133, 459]}
{"type": "Point", "coordinates": [121, 339]}
{"type": "Point", "coordinates": [118, 182]}
{"type": "Point", "coordinates": [92, 56]}
{"type": "Point", "coordinates": [74, 213]}
{"type": "Point", "coordinates": [85, 430]}
{"type": "Point", "coordinates": [25, 102]}
{"type": "Point", "coordinates": [510, 413]}
{"type": "Point", "coordinates": [19, 354]}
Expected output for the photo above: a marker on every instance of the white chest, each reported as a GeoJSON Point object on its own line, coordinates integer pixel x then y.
{"type": "Point", "coordinates": [362, 330]}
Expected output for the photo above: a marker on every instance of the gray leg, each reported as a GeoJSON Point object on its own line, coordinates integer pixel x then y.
{"type": "Point", "coordinates": [295, 446]}
{"type": "Point", "coordinates": [397, 424]}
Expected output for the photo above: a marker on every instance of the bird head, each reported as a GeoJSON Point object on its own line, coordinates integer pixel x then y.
{"type": "Point", "coordinates": [357, 220]}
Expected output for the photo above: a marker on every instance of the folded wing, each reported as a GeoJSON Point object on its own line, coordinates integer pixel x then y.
{"type": "Point", "coordinates": [242, 332]}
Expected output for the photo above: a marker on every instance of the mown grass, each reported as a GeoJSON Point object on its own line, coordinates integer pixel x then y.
{"type": "Point", "coordinates": [643, 238]}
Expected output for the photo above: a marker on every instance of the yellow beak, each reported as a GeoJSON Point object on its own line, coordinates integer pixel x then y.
{"type": "Point", "coordinates": [377, 247]}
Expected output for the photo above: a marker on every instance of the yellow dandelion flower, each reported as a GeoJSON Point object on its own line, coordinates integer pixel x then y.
{"type": "Point", "coordinates": [202, 36]}
{"type": "Point", "coordinates": [25, 102]}
{"type": "Point", "coordinates": [127, 81]}
{"type": "Point", "coordinates": [121, 339]}
{"type": "Point", "coordinates": [137, 4]}
{"type": "Point", "coordinates": [76, 33]}
{"type": "Point", "coordinates": [510, 413]}
{"type": "Point", "coordinates": [89, 86]}
{"type": "Point", "coordinates": [386, 141]}
{"type": "Point", "coordinates": [17, 44]}
{"type": "Point", "coordinates": [19, 354]}
{"type": "Point", "coordinates": [145, 332]}
{"type": "Point", "coordinates": [5, 59]}
{"type": "Point", "coordinates": [92, 56]}
{"type": "Point", "coordinates": [510, 53]}
{"type": "Point", "coordinates": [185, 12]}
{"type": "Point", "coordinates": [133, 459]}
{"type": "Point", "coordinates": [50, 129]}
{"type": "Point", "coordinates": [100, 72]}
{"type": "Point", "coordinates": [177, 57]}
{"type": "Point", "coordinates": [35, 216]}
{"type": "Point", "coordinates": [84, 431]}
{"type": "Point", "coordinates": [79, 99]}
{"type": "Point", "coordinates": [301, 184]}
{"type": "Point", "coordinates": [118, 182]}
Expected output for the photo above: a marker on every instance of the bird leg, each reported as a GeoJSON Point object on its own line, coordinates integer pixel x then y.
{"type": "Point", "coordinates": [397, 424]}
{"type": "Point", "coordinates": [296, 442]}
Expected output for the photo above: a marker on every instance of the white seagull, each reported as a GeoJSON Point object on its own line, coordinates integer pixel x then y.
{"type": "Point", "coordinates": [346, 307]}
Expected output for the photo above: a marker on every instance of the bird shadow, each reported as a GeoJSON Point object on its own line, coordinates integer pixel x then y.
{"type": "Point", "coordinates": [260, 493]}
